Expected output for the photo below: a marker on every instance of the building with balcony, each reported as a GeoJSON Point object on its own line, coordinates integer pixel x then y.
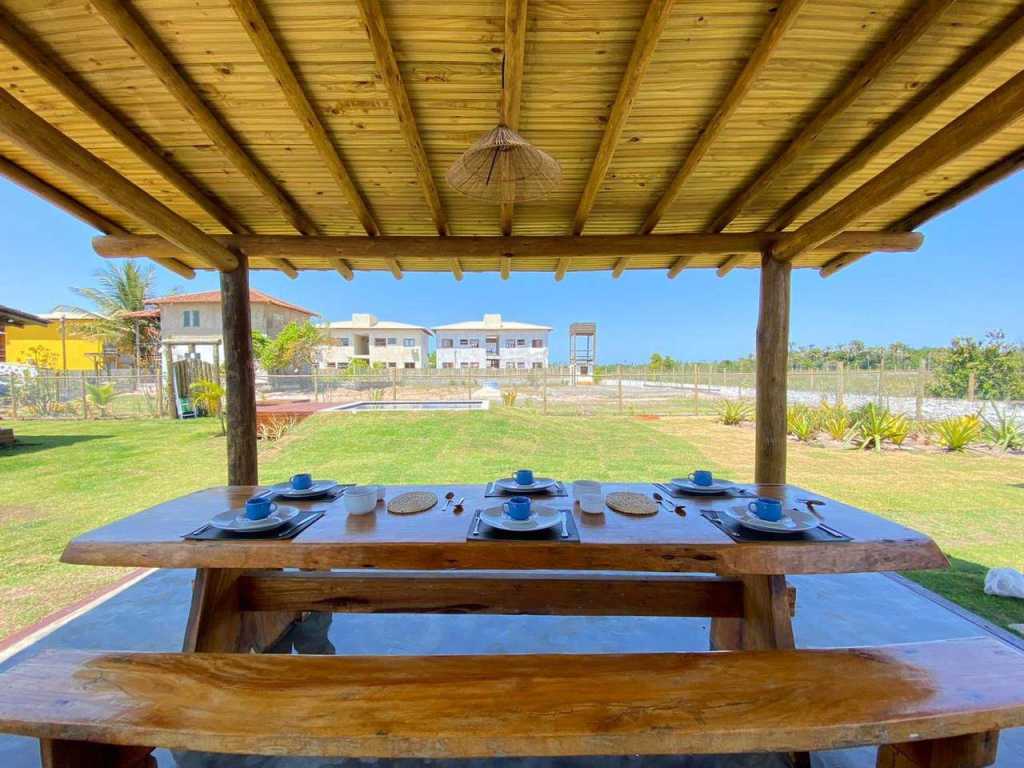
{"type": "Point", "coordinates": [386, 343]}
{"type": "Point", "coordinates": [492, 343]}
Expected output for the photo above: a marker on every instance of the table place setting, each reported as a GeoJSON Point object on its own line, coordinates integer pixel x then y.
{"type": "Point", "coordinates": [524, 482]}
{"type": "Point", "coordinates": [258, 518]}
{"type": "Point", "coordinates": [303, 486]}
{"type": "Point", "coordinates": [702, 482]}
{"type": "Point", "coordinates": [521, 518]}
{"type": "Point", "coordinates": [765, 519]}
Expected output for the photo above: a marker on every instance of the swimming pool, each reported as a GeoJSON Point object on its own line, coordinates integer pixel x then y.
{"type": "Point", "coordinates": [414, 405]}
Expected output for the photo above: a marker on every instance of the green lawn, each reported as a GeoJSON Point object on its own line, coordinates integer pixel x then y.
{"type": "Point", "coordinates": [72, 476]}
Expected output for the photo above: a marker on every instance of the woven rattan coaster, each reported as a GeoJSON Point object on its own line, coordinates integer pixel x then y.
{"type": "Point", "coordinates": [408, 503]}
{"type": "Point", "coordinates": [631, 503]}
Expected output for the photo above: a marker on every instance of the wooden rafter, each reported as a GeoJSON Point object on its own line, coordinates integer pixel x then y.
{"type": "Point", "coordinates": [494, 249]}
{"type": "Point", "coordinates": [343, 268]}
{"type": "Point", "coordinates": [395, 267]}
{"type": "Point", "coordinates": [730, 263]}
{"type": "Point", "coordinates": [781, 21]}
{"type": "Point", "coordinates": [512, 80]}
{"type": "Point", "coordinates": [34, 135]}
{"type": "Point", "coordinates": [952, 81]}
{"type": "Point", "coordinates": [46, 65]}
{"type": "Point", "coordinates": [384, 55]}
{"type": "Point", "coordinates": [273, 56]}
{"type": "Point", "coordinates": [927, 13]}
{"type": "Point", "coordinates": [73, 207]}
{"type": "Point", "coordinates": [680, 264]}
{"type": "Point", "coordinates": [124, 21]}
{"type": "Point", "coordinates": [999, 109]}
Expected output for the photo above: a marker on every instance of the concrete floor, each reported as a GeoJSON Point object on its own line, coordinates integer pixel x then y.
{"type": "Point", "coordinates": [853, 609]}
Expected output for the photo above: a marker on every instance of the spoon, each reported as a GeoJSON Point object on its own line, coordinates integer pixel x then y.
{"type": "Point", "coordinates": [448, 500]}
{"type": "Point", "coordinates": [458, 506]}
{"type": "Point", "coordinates": [661, 499]}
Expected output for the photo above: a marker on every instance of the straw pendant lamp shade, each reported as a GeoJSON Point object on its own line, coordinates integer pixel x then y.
{"type": "Point", "coordinates": [502, 167]}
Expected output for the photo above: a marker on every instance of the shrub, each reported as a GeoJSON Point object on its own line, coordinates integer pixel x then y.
{"type": "Point", "coordinates": [274, 429]}
{"type": "Point", "coordinates": [874, 424]}
{"type": "Point", "coordinates": [376, 395]}
{"type": "Point", "coordinates": [801, 423]}
{"type": "Point", "coordinates": [835, 421]}
{"type": "Point", "coordinates": [508, 397]}
{"type": "Point", "coordinates": [735, 412]}
{"type": "Point", "coordinates": [1003, 431]}
{"type": "Point", "coordinates": [957, 432]}
{"type": "Point", "coordinates": [208, 396]}
{"type": "Point", "coordinates": [101, 395]}
{"type": "Point", "coordinates": [900, 429]}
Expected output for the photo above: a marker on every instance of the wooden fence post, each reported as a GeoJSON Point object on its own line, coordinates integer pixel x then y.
{"type": "Point", "coordinates": [394, 382]}
{"type": "Point", "coordinates": [971, 386]}
{"type": "Point", "coordinates": [841, 385]}
{"type": "Point", "coordinates": [14, 398]}
{"type": "Point", "coordinates": [881, 373]}
{"type": "Point", "coordinates": [620, 388]}
{"type": "Point", "coordinates": [85, 397]}
{"type": "Point", "coordinates": [696, 389]}
{"type": "Point", "coordinates": [919, 393]}
{"type": "Point", "coordinates": [544, 390]}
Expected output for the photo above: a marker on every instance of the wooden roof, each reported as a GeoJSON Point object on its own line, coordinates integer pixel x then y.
{"type": "Point", "coordinates": [340, 118]}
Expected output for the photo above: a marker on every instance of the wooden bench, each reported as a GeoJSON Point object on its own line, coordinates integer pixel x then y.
{"type": "Point", "coordinates": [931, 705]}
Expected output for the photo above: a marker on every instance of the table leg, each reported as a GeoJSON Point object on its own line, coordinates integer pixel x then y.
{"type": "Point", "coordinates": [58, 753]}
{"type": "Point", "coordinates": [766, 622]}
{"type": "Point", "coordinates": [216, 622]}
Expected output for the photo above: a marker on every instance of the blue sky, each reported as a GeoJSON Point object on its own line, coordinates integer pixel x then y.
{"type": "Point", "coordinates": [965, 280]}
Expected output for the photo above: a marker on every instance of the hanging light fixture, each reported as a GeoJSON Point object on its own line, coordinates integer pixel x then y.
{"type": "Point", "coordinates": [503, 167]}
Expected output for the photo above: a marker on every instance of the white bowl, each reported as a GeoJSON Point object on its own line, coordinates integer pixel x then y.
{"type": "Point", "coordinates": [359, 499]}
{"type": "Point", "coordinates": [580, 487]}
{"type": "Point", "coordinates": [592, 503]}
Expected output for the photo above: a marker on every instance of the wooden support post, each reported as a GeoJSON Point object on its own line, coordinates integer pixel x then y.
{"type": "Point", "coordinates": [772, 359]}
{"type": "Point", "coordinates": [239, 375]}
{"type": "Point", "coordinates": [620, 388]}
{"type": "Point", "coordinates": [172, 405]}
{"type": "Point", "coordinates": [972, 383]}
{"type": "Point", "coordinates": [919, 392]}
{"type": "Point", "coordinates": [61, 753]}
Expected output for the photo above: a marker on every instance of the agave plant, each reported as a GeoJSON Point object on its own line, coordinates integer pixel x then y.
{"type": "Point", "coordinates": [735, 412]}
{"type": "Point", "coordinates": [900, 429]}
{"type": "Point", "coordinates": [957, 432]}
{"type": "Point", "coordinates": [874, 424]}
{"type": "Point", "coordinates": [835, 421]}
{"type": "Point", "coordinates": [508, 397]}
{"type": "Point", "coordinates": [801, 423]}
{"type": "Point", "coordinates": [101, 395]}
{"type": "Point", "coordinates": [1003, 431]}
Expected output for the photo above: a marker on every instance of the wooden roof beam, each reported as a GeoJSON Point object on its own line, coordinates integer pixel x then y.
{"type": "Point", "coordinates": [273, 56]}
{"type": "Point", "coordinates": [36, 136]}
{"type": "Point", "coordinates": [513, 64]}
{"type": "Point", "coordinates": [953, 80]}
{"type": "Point", "coordinates": [145, 45]}
{"type": "Point", "coordinates": [395, 268]}
{"type": "Point", "coordinates": [493, 249]}
{"type": "Point", "coordinates": [47, 66]}
{"type": "Point", "coordinates": [998, 110]}
{"type": "Point", "coordinates": [781, 21]}
{"type": "Point", "coordinates": [658, 12]}
{"type": "Point", "coordinates": [729, 264]}
{"type": "Point", "coordinates": [680, 264]}
{"type": "Point", "coordinates": [73, 207]}
{"type": "Point", "coordinates": [384, 54]}
{"type": "Point", "coordinates": [927, 13]}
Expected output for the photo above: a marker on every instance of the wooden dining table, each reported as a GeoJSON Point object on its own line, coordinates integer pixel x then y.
{"type": "Point", "coordinates": [247, 592]}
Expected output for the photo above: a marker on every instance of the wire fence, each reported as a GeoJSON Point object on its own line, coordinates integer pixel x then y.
{"type": "Point", "coordinates": [686, 390]}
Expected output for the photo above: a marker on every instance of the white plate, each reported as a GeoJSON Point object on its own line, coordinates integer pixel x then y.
{"type": "Point", "coordinates": [539, 484]}
{"type": "Point", "coordinates": [688, 486]}
{"type": "Point", "coordinates": [236, 521]}
{"type": "Point", "coordinates": [793, 520]}
{"type": "Point", "coordinates": [319, 487]}
{"type": "Point", "coordinates": [541, 518]}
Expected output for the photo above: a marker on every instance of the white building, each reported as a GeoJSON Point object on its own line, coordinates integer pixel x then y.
{"type": "Point", "coordinates": [191, 322]}
{"type": "Point", "coordinates": [492, 343]}
{"type": "Point", "coordinates": [389, 343]}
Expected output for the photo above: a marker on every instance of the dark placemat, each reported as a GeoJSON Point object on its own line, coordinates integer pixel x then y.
{"type": "Point", "coordinates": [289, 530]}
{"type": "Point", "coordinates": [739, 533]}
{"type": "Point", "coordinates": [675, 493]}
{"type": "Point", "coordinates": [333, 495]}
{"type": "Point", "coordinates": [487, 533]}
{"type": "Point", "coordinates": [494, 493]}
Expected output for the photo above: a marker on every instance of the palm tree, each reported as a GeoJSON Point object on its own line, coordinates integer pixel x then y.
{"type": "Point", "coordinates": [122, 288]}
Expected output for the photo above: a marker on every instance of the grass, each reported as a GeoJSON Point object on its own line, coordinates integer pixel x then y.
{"type": "Point", "coordinates": [73, 476]}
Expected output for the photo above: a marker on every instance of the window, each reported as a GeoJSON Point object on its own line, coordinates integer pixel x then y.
{"type": "Point", "coordinates": [392, 341]}
{"type": "Point", "coordinates": [463, 365]}
{"type": "Point", "coordinates": [510, 364]}
{"type": "Point", "coordinates": [408, 341]}
{"type": "Point", "coordinates": [537, 344]}
{"type": "Point", "coordinates": [446, 344]}
{"type": "Point", "coordinates": [410, 365]}
{"type": "Point", "coordinates": [510, 343]}
{"type": "Point", "coordinates": [447, 365]}
{"type": "Point", "coordinates": [190, 318]}
{"type": "Point", "coordinates": [392, 365]}
{"type": "Point", "coordinates": [474, 343]}
{"type": "Point", "coordinates": [345, 341]}
{"type": "Point", "coordinates": [494, 363]}
{"type": "Point", "coordinates": [463, 342]}
{"type": "Point", "coordinates": [538, 365]}
{"type": "Point", "coordinates": [332, 365]}
{"type": "Point", "coordinates": [520, 342]}
{"type": "Point", "coordinates": [379, 341]}
{"type": "Point", "coordinates": [521, 364]}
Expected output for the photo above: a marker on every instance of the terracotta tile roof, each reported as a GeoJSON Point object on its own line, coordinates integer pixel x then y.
{"type": "Point", "coordinates": [203, 297]}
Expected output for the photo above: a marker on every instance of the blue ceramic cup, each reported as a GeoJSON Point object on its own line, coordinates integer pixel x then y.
{"type": "Point", "coordinates": [702, 477]}
{"type": "Point", "coordinates": [302, 481]}
{"type": "Point", "coordinates": [766, 509]}
{"type": "Point", "coordinates": [258, 507]}
{"type": "Point", "coordinates": [524, 476]}
{"type": "Point", "coordinates": [518, 508]}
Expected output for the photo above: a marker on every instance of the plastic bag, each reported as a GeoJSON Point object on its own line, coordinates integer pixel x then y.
{"type": "Point", "coordinates": [1004, 582]}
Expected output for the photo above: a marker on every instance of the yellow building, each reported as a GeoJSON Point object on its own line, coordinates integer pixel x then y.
{"type": "Point", "coordinates": [62, 339]}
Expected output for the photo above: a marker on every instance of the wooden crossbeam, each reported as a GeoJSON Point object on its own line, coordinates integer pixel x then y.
{"type": "Point", "coordinates": [395, 267]}
{"type": "Point", "coordinates": [999, 109]}
{"type": "Point", "coordinates": [619, 268]}
{"type": "Point", "coordinates": [505, 266]}
{"type": "Point", "coordinates": [73, 207]}
{"type": "Point", "coordinates": [955, 78]}
{"type": "Point", "coordinates": [45, 63]}
{"type": "Point", "coordinates": [273, 56]}
{"type": "Point", "coordinates": [428, 248]}
{"type": "Point", "coordinates": [679, 265]}
{"type": "Point", "coordinates": [36, 136]}
{"type": "Point", "coordinates": [343, 268]}
{"type": "Point", "coordinates": [512, 80]}
{"type": "Point", "coordinates": [927, 13]}
{"type": "Point", "coordinates": [384, 55]}
{"type": "Point", "coordinates": [658, 12]}
{"type": "Point", "coordinates": [144, 44]}
{"type": "Point", "coordinates": [729, 264]}
{"type": "Point", "coordinates": [781, 21]}
{"type": "Point", "coordinates": [841, 261]}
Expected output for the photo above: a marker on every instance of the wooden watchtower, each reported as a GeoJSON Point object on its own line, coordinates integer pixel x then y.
{"type": "Point", "coordinates": [582, 352]}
